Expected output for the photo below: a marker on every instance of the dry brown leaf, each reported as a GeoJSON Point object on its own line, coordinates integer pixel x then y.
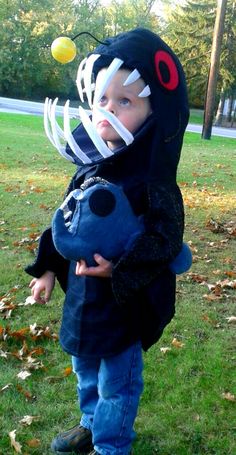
{"type": "Point", "coordinates": [212, 297]}
{"type": "Point", "coordinates": [23, 375]}
{"type": "Point", "coordinates": [4, 354]}
{"type": "Point", "coordinates": [176, 343]}
{"type": "Point", "coordinates": [28, 395]}
{"type": "Point", "coordinates": [33, 443]}
{"type": "Point", "coordinates": [164, 350]}
{"type": "Point", "coordinates": [6, 387]}
{"type": "Point", "coordinates": [16, 445]}
{"type": "Point", "coordinates": [197, 277]}
{"type": "Point", "coordinates": [67, 371]}
{"type": "Point", "coordinates": [28, 301]}
{"type": "Point", "coordinates": [231, 274]}
{"type": "Point", "coordinates": [229, 396]}
{"type": "Point", "coordinates": [20, 334]}
{"type": "Point", "coordinates": [231, 319]}
{"type": "Point", "coordinates": [27, 420]}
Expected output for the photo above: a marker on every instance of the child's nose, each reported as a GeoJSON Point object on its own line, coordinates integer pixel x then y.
{"type": "Point", "coordinates": [111, 107]}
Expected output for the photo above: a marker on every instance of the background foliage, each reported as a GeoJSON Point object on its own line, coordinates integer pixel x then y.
{"type": "Point", "coordinates": [28, 28]}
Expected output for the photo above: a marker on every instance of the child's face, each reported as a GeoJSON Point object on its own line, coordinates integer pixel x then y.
{"type": "Point", "coordinates": [124, 103]}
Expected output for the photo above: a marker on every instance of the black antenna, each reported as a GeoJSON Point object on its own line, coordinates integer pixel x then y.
{"type": "Point", "coordinates": [90, 34]}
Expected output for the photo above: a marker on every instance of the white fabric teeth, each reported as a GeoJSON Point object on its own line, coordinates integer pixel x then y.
{"type": "Point", "coordinates": [87, 75]}
{"type": "Point", "coordinates": [70, 138]}
{"type": "Point", "coordinates": [110, 72]}
{"type": "Point", "coordinates": [59, 137]}
{"type": "Point", "coordinates": [145, 92]}
{"type": "Point", "coordinates": [53, 130]}
{"type": "Point", "coordinates": [93, 134]}
{"type": "Point", "coordinates": [80, 78]}
{"type": "Point", "coordinates": [117, 125]}
{"type": "Point", "coordinates": [55, 133]}
{"type": "Point", "coordinates": [133, 77]}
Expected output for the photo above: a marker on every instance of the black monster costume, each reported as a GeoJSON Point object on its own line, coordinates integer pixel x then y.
{"type": "Point", "coordinates": [104, 316]}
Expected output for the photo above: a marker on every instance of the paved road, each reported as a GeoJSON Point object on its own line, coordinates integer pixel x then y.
{"type": "Point", "coordinates": [30, 107]}
{"type": "Point", "coordinates": [27, 107]}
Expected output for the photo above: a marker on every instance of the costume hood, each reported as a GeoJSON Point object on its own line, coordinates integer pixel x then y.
{"type": "Point", "coordinates": [148, 57]}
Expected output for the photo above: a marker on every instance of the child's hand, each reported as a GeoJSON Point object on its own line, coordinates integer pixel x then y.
{"type": "Point", "coordinates": [44, 284]}
{"type": "Point", "coordinates": [102, 270]}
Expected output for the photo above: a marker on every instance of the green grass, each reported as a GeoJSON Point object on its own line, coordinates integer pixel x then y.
{"type": "Point", "coordinates": [196, 116]}
{"type": "Point", "coordinates": [184, 409]}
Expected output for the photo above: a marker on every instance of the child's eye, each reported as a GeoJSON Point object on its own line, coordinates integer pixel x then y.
{"type": "Point", "coordinates": [124, 101]}
{"type": "Point", "coordinates": [102, 100]}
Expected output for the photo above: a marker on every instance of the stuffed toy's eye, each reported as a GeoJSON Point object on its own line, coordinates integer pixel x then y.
{"type": "Point", "coordinates": [102, 202]}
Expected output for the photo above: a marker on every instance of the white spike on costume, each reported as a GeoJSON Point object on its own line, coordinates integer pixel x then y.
{"type": "Point", "coordinates": [133, 77]}
{"type": "Point", "coordinates": [88, 76]}
{"type": "Point", "coordinates": [110, 72]}
{"type": "Point", "coordinates": [57, 130]}
{"type": "Point", "coordinates": [145, 92]}
{"type": "Point", "coordinates": [117, 125]}
{"type": "Point", "coordinates": [93, 134]}
{"type": "Point", "coordinates": [70, 139]}
{"type": "Point", "coordinates": [79, 79]}
{"type": "Point", "coordinates": [46, 116]}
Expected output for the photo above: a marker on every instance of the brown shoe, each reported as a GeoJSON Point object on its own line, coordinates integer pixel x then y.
{"type": "Point", "coordinates": [75, 440]}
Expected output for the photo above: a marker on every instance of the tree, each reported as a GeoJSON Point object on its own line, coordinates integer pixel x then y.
{"type": "Point", "coordinates": [188, 29]}
{"type": "Point", "coordinates": [214, 69]}
{"type": "Point", "coordinates": [227, 77]}
{"type": "Point", "coordinates": [127, 14]}
{"type": "Point", "coordinates": [28, 29]}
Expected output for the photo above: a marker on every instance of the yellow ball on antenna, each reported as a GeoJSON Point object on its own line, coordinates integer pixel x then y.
{"type": "Point", "coordinates": [63, 49]}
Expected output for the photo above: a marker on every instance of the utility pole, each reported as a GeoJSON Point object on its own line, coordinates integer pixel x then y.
{"type": "Point", "coordinates": [214, 69]}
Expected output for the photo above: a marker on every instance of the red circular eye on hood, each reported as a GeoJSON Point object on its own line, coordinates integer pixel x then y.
{"type": "Point", "coordinates": [166, 70]}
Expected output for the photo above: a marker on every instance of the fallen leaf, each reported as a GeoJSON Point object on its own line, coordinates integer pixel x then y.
{"type": "Point", "coordinates": [228, 396]}
{"type": "Point", "coordinates": [231, 319]}
{"type": "Point", "coordinates": [33, 443]}
{"type": "Point", "coordinates": [176, 343]}
{"type": "Point", "coordinates": [28, 301]}
{"type": "Point", "coordinates": [23, 375]}
{"type": "Point", "coordinates": [165, 349]}
{"type": "Point", "coordinates": [3, 354]}
{"type": "Point", "coordinates": [67, 371]}
{"type": "Point", "coordinates": [26, 394]}
{"type": "Point", "coordinates": [19, 334]}
{"type": "Point", "coordinates": [212, 297]}
{"type": "Point", "coordinates": [231, 274]}
{"type": "Point", "coordinates": [27, 420]}
{"type": "Point", "coordinates": [16, 445]}
{"type": "Point", "coordinates": [6, 387]}
{"type": "Point", "coordinates": [197, 277]}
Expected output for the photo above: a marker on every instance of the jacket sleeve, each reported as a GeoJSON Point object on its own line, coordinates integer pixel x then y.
{"type": "Point", "coordinates": [49, 259]}
{"type": "Point", "coordinates": [153, 250]}
{"type": "Point", "coordinates": [47, 256]}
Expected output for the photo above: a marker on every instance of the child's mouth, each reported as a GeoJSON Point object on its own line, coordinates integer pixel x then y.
{"type": "Point", "coordinates": [104, 123]}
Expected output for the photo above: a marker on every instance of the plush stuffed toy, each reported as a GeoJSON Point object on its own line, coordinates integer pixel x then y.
{"type": "Point", "coordinates": [99, 219]}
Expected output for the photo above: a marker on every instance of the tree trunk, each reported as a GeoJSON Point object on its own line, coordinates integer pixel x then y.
{"type": "Point", "coordinates": [214, 69]}
{"type": "Point", "coordinates": [229, 108]}
{"type": "Point", "coordinates": [220, 110]}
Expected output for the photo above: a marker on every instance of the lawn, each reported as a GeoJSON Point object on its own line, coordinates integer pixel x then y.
{"type": "Point", "coordinates": [188, 405]}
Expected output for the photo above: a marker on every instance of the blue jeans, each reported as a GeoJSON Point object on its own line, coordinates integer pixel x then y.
{"type": "Point", "coordinates": [109, 390]}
